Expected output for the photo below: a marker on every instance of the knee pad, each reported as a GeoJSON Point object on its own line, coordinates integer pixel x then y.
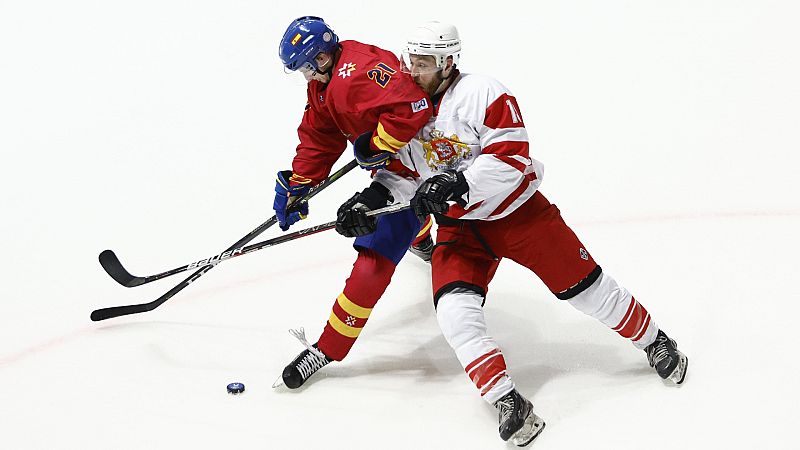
{"type": "Point", "coordinates": [605, 300]}
{"type": "Point", "coordinates": [458, 287]}
{"type": "Point", "coordinates": [373, 266]}
{"type": "Point", "coordinates": [460, 316]}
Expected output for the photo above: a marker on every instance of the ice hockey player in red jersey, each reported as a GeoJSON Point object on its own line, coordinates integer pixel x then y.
{"type": "Point", "coordinates": [477, 177]}
{"type": "Point", "coordinates": [357, 94]}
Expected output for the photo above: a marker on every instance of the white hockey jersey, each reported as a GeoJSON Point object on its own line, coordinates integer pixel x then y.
{"type": "Point", "coordinates": [476, 128]}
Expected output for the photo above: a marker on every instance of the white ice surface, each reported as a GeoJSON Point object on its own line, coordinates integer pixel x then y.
{"type": "Point", "coordinates": [154, 128]}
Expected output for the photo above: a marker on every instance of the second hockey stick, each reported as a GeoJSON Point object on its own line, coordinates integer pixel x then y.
{"type": "Point", "coordinates": [116, 311]}
{"type": "Point", "coordinates": [113, 266]}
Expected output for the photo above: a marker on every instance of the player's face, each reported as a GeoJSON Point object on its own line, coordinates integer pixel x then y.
{"type": "Point", "coordinates": [424, 71]}
{"type": "Point", "coordinates": [324, 62]}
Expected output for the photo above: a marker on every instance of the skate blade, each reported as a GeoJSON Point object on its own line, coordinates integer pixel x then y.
{"type": "Point", "coordinates": [278, 383]}
{"type": "Point", "coordinates": [530, 430]}
{"type": "Point", "coordinates": [679, 374]}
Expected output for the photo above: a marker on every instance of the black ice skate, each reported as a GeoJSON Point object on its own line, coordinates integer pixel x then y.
{"type": "Point", "coordinates": [424, 249]}
{"type": "Point", "coordinates": [670, 363]}
{"type": "Point", "coordinates": [517, 420]}
{"type": "Point", "coordinates": [306, 364]}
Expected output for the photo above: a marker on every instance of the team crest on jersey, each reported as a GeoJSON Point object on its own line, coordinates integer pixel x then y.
{"type": "Point", "coordinates": [444, 152]}
{"type": "Point", "coordinates": [346, 69]}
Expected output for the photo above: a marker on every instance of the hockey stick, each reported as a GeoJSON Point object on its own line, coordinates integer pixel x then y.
{"type": "Point", "coordinates": [116, 311]}
{"type": "Point", "coordinates": [305, 232]}
{"type": "Point", "coordinates": [214, 260]}
{"type": "Point", "coordinates": [113, 266]}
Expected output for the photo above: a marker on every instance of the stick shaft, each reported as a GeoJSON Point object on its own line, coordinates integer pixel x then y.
{"type": "Point", "coordinates": [116, 311]}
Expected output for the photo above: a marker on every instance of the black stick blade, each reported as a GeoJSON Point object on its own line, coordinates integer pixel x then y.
{"type": "Point", "coordinates": [113, 267]}
{"type": "Point", "coordinates": [116, 311]}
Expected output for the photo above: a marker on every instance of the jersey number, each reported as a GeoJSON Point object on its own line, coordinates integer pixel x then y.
{"type": "Point", "coordinates": [381, 74]}
{"type": "Point", "coordinates": [514, 114]}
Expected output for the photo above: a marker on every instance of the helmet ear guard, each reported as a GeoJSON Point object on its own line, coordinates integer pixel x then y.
{"type": "Point", "coordinates": [303, 40]}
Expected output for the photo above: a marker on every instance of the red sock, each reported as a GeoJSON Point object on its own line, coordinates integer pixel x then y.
{"type": "Point", "coordinates": [371, 275]}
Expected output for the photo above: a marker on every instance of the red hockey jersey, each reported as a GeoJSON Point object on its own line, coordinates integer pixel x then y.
{"type": "Point", "coordinates": [367, 93]}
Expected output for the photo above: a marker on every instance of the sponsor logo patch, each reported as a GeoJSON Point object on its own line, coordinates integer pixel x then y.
{"type": "Point", "coordinates": [419, 105]}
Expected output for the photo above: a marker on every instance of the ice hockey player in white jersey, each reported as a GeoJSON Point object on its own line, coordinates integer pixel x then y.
{"type": "Point", "coordinates": [470, 167]}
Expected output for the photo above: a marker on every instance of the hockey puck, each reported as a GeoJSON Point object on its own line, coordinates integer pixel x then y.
{"type": "Point", "coordinates": [235, 388]}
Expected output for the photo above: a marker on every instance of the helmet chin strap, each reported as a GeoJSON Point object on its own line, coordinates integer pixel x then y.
{"type": "Point", "coordinates": [326, 72]}
{"type": "Point", "coordinates": [326, 75]}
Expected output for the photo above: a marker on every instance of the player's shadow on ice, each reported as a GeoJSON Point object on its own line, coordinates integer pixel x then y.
{"type": "Point", "coordinates": [574, 345]}
{"type": "Point", "coordinates": [533, 357]}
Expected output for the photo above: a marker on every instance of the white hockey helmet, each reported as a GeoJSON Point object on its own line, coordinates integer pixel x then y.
{"type": "Point", "coordinates": [436, 39]}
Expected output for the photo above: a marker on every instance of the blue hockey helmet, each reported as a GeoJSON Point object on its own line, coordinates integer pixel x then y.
{"type": "Point", "coordinates": [305, 38]}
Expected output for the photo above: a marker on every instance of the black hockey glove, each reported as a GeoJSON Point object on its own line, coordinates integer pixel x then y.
{"type": "Point", "coordinates": [352, 220]}
{"type": "Point", "coordinates": [366, 157]}
{"type": "Point", "coordinates": [432, 195]}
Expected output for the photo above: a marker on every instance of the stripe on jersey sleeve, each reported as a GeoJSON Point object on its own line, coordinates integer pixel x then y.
{"type": "Point", "coordinates": [385, 141]}
{"type": "Point", "coordinates": [514, 162]}
{"type": "Point", "coordinates": [516, 194]}
{"type": "Point", "coordinates": [509, 148]}
{"type": "Point", "coordinates": [491, 136]}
